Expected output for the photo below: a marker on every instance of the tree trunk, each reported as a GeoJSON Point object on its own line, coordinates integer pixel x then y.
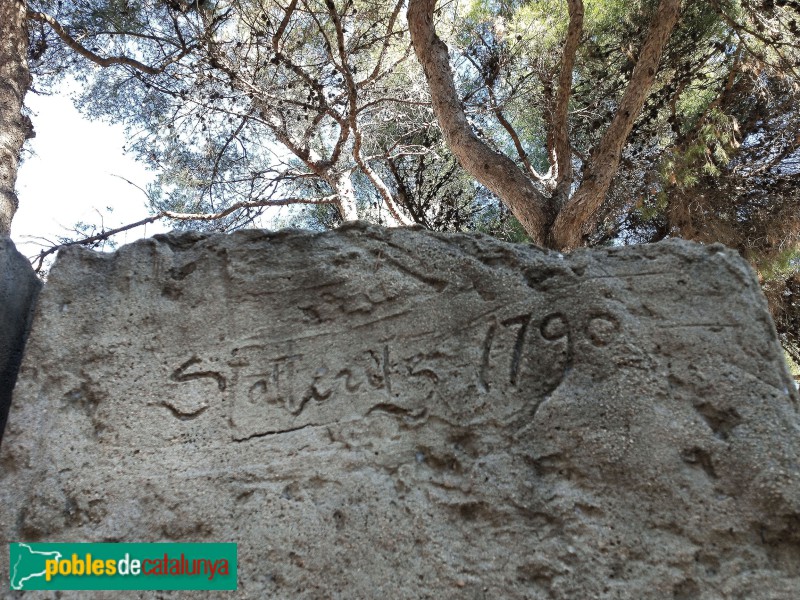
{"type": "Point", "coordinates": [494, 170]}
{"type": "Point", "coordinates": [15, 127]}
{"type": "Point", "coordinates": [550, 221]}
{"type": "Point", "coordinates": [343, 187]}
{"type": "Point", "coordinates": [560, 151]}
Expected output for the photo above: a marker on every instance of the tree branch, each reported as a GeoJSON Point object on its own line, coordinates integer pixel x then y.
{"type": "Point", "coordinates": [276, 39]}
{"type": "Point", "coordinates": [95, 58]}
{"type": "Point", "coordinates": [574, 220]}
{"type": "Point", "coordinates": [179, 216]}
{"type": "Point", "coordinates": [352, 96]}
{"type": "Point", "coordinates": [385, 46]}
{"type": "Point", "coordinates": [561, 155]}
{"type": "Point", "coordinates": [506, 124]}
{"type": "Point", "coordinates": [494, 170]}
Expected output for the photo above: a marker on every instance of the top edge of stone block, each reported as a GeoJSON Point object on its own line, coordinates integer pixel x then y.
{"type": "Point", "coordinates": [181, 241]}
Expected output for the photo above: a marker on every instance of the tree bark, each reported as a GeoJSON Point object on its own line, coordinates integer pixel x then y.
{"type": "Point", "coordinates": [494, 170]}
{"type": "Point", "coordinates": [561, 152]}
{"type": "Point", "coordinates": [15, 127]}
{"type": "Point", "coordinates": [346, 195]}
{"type": "Point", "coordinates": [574, 219]}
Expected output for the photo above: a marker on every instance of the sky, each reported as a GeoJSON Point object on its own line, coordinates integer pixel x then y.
{"type": "Point", "coordinates": [68, 175]}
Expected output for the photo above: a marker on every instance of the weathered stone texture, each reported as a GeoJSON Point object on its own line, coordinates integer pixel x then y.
{"type": "Point", "coordinates": [19, 287]}
{"type": "Point", "coordinates": [378, 413]}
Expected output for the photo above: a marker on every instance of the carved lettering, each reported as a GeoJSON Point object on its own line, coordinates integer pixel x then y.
{"type": "Point", "coordinates": [276, 386]}
{"type": "Point", "coordinates": [483, 373]}
{"type": "Point", "coordinates": [554, 327]}
{"type": "Point", "coordinates": [180, 374]}
{"type": "Point", "coordinates": [523, 321]}
{"type": "Point", "coordinates": [520, 353]}
{"type": "Point", "coordinates": [601, 329]}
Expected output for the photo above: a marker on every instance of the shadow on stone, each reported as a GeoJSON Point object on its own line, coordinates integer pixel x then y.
{"type": "Point", "coordinates": [19, 288]}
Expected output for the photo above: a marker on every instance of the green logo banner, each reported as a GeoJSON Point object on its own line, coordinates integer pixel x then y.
{"type": "Point", "coordinates": [60, 566]}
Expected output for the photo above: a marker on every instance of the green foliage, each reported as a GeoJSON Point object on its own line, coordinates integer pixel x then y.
{"type": "Point", "coordinates": [794, 367]}
{"type": "Point", "coordinates": [315, 217]}
{"type": "Point", "coordinates": [782, 265]}
{"type": "Point", "coordinates": [708, 149]}
{"type": "Point", "coordinates": [500, 223]}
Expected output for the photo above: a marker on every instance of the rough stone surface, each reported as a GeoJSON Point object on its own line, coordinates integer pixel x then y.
{"type": "Point", "coordinates": [19, 287]}
{"type": "Point", "coordinates": [397, 414]}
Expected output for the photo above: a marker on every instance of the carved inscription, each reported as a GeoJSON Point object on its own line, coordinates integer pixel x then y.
{"type": "Point", "coordinates": [522, 322]}
{"type": "Point", "coordinates": [519, 354]}
{"type": "Point", "coordinates": [275, 385]}
{"type": "Point", "coordinates": [273, 392]}
{"type": "Point", "coordinates": [601, 329]}
{"type": "Point", "coordinates": [182, 373]}
{"type": "Point", "coordinates": [553, 334]}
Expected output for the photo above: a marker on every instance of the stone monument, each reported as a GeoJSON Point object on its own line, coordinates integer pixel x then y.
{"type": "Point", "coordinates": [394, 413]}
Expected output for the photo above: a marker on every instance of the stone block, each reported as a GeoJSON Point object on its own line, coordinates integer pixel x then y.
{"type": "Point", "coordinates": [375, 413]}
